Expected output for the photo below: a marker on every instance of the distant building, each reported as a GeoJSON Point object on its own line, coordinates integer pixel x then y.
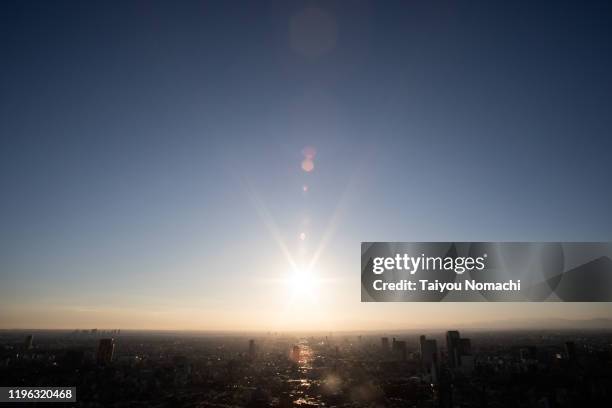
{"type": "Point", "coordinates": [465, 347]}
{"type": "Point", "coordinates": [466, 363]}
{"type": "Point", "coordinates": [453, 348]}
{"type": "Point", "coordinates": [28, 342]}
{"type": "Point", "coordinates": [466, 359]}
{"type": "Point", "coordinates": [182, 369]}
{"type": "Point", "coordinates": [106, 349]}
{"type": "Point", "coordinates": [252, 349]}
{"type": "Point", "coordinates": [429, 352]}
{"type": "Point", "coordinates": [459, 351]}
{"type": "Point", "coordinates": [400, 349]}
{"type": "Point", "coordinates": [385, 343]}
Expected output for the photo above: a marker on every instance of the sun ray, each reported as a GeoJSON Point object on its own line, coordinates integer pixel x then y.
{"type": "Point", "coordinates": [332, 224]}
{"type": "Point", "coordinates": [270, 224]}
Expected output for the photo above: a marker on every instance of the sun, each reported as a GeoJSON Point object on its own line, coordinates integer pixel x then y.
{"type": "Point", "coordinates": [302, 284]}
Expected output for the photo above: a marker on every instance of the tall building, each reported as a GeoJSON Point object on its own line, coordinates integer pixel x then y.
{"type": "Point", "coordinates": [106, 349]}
{"type": "Point", "coordinates": [400, 349]}
{"type": "Point", "coordinates": [453, 348]}
{"type": "Point", "coordinates": [28, 342]}
{"type": "Point", "coordinates": [465, 347]}
{"type": "Point", "coordinates": [429, 353]}
{"type": "Point", "coordinates": [459, 352]}
{"type": "Point", "coordinates": [466, 359]}
{"type": "Point", "coordinates": [252, 350]}
{"type": "Point", "coordinates": [385, 343]}
{"type": "Point", "coordinates": [422, 339]}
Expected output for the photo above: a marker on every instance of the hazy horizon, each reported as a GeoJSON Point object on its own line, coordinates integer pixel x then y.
{"type": "Point", "coordinates": [552, 323]}
{"type": "Point", "coordinates": [507, 325]}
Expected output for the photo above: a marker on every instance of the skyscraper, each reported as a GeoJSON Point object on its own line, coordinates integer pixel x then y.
{"type": "Point", "coordinates": [465, 359]}
{"type": "Point", "coordinates": [252, 351]}
{"type": "Point", "coordinates": [459, 351]}
{"type": "Point", "coordinates": [453, 348]}
{"type": "Point", "coordinates": [465, 347]}
{"type": "Point", "coordinates": [106, 349]}
{"type": "Point", "coordinates": [400, 349]}
{"type": "Point", "coordinates": [28, 342]}
{"type": "Point", "coordinates": [429, 353]}
{"type": "Point", "coordinates": [385, 343]}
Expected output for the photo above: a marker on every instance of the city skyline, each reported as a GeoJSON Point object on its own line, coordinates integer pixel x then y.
{"type": "Point", "coordinates": [443, 369]}
{"type": "Point", "coordinates": [204, 166]}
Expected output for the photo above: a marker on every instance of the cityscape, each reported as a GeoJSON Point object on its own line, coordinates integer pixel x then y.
{"type": "Point", "coordinates": [186, 187]}
{"type": "Point", "coordinates": [118, 368]}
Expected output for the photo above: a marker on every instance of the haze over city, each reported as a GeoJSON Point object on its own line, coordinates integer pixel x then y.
{"type": "Point", "coordinates": [204, 166]}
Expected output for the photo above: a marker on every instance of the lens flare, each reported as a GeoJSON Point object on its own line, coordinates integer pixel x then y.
{"type": "Point", "coordinates": [307, 165]}
{"type": "Point", "coordinates": [309, 152]}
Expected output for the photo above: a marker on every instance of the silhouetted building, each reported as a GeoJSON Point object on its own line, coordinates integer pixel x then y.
{"type": "Point", "coordinates": [106, 349]}
{"type": "Point", "coordinates": [452, 348]}
{"type": "Point", "coordinates": [385, 343]}
{"type": "Point", "coordinates": [28, 342]}
{"type": "Point", "coordinates": [252, 350]}
{"type": "Point", "coordinates": [399, 348]}
{"type": "Point", "coordinates": [429, 353]}
{"type": "Point", "coordinates": [182, 369]}
{"type": "Point", "coordinates": [459, 351]}
{"type": "Point", "coordinates": [465, 347]}
{"type": "Point", "coordinates": [466, 359]}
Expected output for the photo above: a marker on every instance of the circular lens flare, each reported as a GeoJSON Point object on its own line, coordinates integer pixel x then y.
{"type": "Point", "coordinates": [309, 152]}
{"type": "Point", "coordinates": [307, 165]}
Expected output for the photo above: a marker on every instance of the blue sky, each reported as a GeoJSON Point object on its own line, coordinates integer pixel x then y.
{"type": "Point", "coordinates": [139, 142]}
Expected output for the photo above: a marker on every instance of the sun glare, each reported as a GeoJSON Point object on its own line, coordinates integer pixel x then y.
{"type": "Point", "coordinates": [302, 284]}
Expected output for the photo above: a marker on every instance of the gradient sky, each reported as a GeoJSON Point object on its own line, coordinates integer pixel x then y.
{"type": "Point", "coordinates": [150, 153]}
